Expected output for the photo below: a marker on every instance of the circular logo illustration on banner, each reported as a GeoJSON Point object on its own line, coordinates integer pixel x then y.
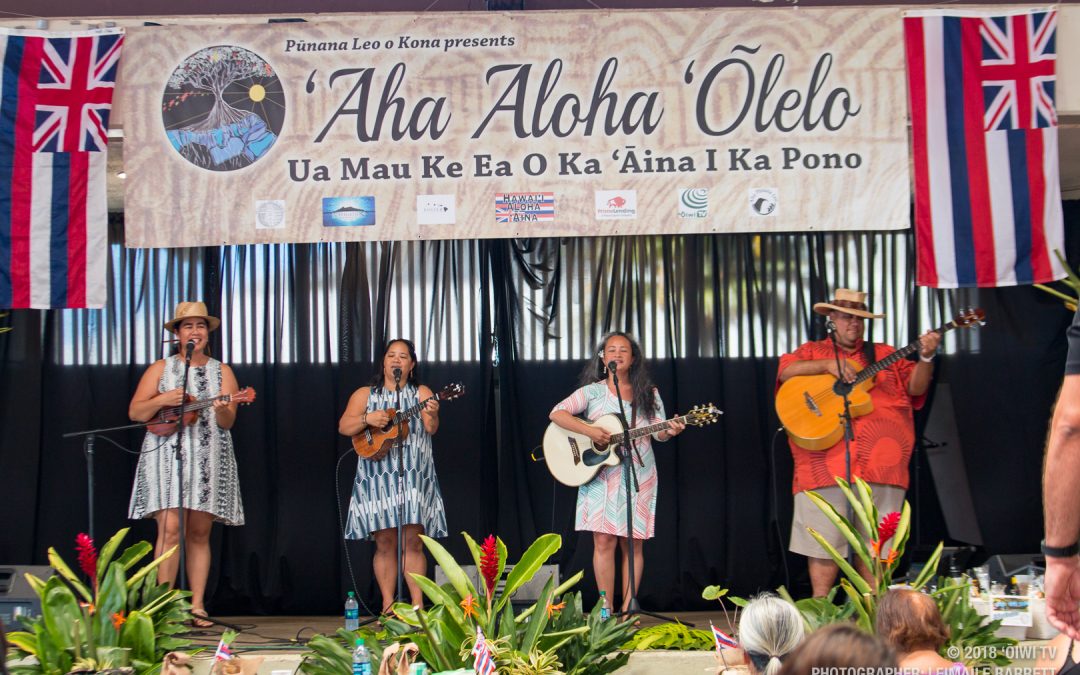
{"type": "Point", "coordinates": [223, 108]}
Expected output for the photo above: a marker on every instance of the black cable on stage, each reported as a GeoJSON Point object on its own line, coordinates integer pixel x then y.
{"type": "Point", "coordinates": [345, 542]}
{"type": "Point", "coordinates": [776, 512]}
{"type": "Point", "coordinates": [136, 452]}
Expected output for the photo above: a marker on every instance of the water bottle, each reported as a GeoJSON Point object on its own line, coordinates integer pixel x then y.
{"type": "Point", "coordinates": [605, 610]}
{"type": "Point", "coordinates": [361, 661]}
{"type": "Point", "coordinates": [352, 613]}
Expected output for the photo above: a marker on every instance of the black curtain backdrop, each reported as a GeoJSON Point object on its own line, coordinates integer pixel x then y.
{"type": "Point", "coordinates": [724, 494]}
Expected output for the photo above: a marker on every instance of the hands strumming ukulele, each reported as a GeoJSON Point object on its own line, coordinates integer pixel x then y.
{"type": "Point", "coordinates": [374, 442]}
{"type": "Point", "coordinates": [165, 421]}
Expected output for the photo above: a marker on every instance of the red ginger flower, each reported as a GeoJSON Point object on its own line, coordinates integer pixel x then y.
{"type": "Point", "coordinates": [489, 564]}
{"type": "Point", "coordinates": [887, 527]}
{"type": "Point", "coordinates": [88, 556]}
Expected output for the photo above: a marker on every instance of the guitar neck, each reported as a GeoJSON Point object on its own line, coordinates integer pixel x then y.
{"type": "Point", "coordinates": [645, 431]}
{"type": "Point", "coordinates": [878, 366]}
{"type": "Point", "coordinates": [195, 406]}
{"type": "Point", "coordinates": [411, 411]}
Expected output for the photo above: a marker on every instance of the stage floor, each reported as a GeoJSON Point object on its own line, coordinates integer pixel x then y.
{"type": "Point", "coordinates": [285, 632]}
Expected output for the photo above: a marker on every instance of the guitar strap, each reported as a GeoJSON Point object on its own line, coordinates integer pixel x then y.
{"type": "Point", "coordinates": [633, 418]}
{"type": "Point", "coordinates": [868, 353]}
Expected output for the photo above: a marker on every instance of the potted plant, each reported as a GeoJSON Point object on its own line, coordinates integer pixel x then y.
{"type": "Point", "coordinates": [123, 617]}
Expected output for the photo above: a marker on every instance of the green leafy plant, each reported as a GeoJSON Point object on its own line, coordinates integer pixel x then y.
{"type": "Point", "coordinates": [124, 614]}
{"type": "Point", "coordinates": [1071, 282]}
{"type": "Point", "coordinates": [332, 655]}
{"type": "Point", "coordinates": [672, 636]}
{"type": "Point", "coordinates": [972, 632]}
{"type": "Point", "coordinates": [548, 634]}
{"type": "Point", "coordinates": [593, 652]}
{"type": "Point", "coordinates": [818, 612]}
{"type": "Point", "coordinates": [864, 594]}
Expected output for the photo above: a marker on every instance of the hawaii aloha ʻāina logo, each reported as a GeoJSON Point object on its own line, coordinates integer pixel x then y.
{"type": "Point", "coordinates": [763, 201]}
{"type": "Point", "coordinates": [223, 108]}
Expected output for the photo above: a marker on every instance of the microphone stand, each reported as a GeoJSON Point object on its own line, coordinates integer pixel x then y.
{"type": "Point", "coordinates": [399, 595]}
{"type": "Point", "coordinates": [89, 436]}
{"type": "Point", "coordinates": [182, 560]}
{"type": "Point", "coordinates": [843, 389]}
{"type": "Point", "coordinates": [625, 450]}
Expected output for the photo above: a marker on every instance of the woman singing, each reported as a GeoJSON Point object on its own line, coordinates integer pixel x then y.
{"type": "Point", "coordinates": [210, 489]}
{"type": "Point", "coordinates": [375, 504]}
{"type": "Point", "coordinates": [601, 503]}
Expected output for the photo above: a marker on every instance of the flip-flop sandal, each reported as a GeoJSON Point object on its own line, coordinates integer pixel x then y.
{"type": "Point", "coordinates": [196, 622]}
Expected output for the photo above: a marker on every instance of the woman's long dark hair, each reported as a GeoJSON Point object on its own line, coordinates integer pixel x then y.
{"type": "Point", "coordinates": [640, 382]}
{"type": "Point", "coordinates": [377, 379]}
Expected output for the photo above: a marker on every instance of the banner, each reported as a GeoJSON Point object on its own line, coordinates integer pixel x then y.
{"type": "Point", "coordinates": [448, 126]}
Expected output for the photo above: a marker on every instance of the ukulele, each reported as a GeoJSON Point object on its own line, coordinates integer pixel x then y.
{"type": "Point", "coordinates": [165, 421]}
{"type": "Point", "coordinates": [373, 444]}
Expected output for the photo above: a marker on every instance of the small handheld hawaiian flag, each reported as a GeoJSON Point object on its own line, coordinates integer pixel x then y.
{"type": "Point", "coordinates": [223, 652]}
{"type": "Point", "coordinates": [723, 640]}
{"type": "Point", "coordinates": [484, 663]}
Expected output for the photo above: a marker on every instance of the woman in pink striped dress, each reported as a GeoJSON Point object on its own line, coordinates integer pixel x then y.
{"type": "Point", "coordinates": [601, 503]}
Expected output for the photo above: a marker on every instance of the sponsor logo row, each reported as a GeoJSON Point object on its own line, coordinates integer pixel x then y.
{"type": "Point", "coordinates": [509, 207]}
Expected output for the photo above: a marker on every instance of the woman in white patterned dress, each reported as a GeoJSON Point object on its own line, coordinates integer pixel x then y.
{"type": "Point", "coordinates": [601, 503]}
{"type": "Point", "coordinates": [211, 489]}
{"type": "Point", "coordinates": [374, 507]}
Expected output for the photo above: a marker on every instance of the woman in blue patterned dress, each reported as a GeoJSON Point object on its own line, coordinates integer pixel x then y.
{"type": "Point", "coordinates": [601, 503]}
{"type": "Point", "coordinates": [211, 488]}
{"type": "Point", "coordinates": [375, 508]}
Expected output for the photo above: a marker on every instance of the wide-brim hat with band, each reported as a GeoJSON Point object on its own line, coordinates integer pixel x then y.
{"type": "Point", "coordinates": [191, 310]}
{"type": "Point", "coordinates": [848, 302]}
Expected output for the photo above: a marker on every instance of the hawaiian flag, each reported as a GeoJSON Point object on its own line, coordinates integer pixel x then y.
{"type": "Point", "coordinates": [722, 639]}
{"type": "Point", "coordinates": [55, 96]}
{"type": "Point", "coordinates": [484, 664]}
{"type": "Point", "coordinates": [985, 149]}
{"type": "Point", "coordinates": [223, 652]}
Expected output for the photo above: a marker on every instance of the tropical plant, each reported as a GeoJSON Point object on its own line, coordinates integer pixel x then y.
{"type": "Point", "coordinates": [818, 612]}
{"type": "Point", "coordinates": [332, 655]}
{"type": "Point", "coordinates": [123, 614]}
{"type": "Point", "coordinates": [864, 594]}
{"type": "Point", "coordinates": [672, 636]}
{"type": "Point", "coordinates": [549, 634]}
{"type": "Point", "coordinates": [969, 630]}
{"type": "Point", "coordinates": [1071, 281]}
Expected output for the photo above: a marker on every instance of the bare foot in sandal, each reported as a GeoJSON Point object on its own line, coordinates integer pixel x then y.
{"type": "Point", "coordinates": [197, 622]}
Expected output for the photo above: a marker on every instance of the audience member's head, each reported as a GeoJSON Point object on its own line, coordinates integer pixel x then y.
{"type": "Point", "coordinates": [770, 629]}
{"type": "Point", "coordinates": [910, 621]}
{"type": "Point", "coordinates": [839, 645]}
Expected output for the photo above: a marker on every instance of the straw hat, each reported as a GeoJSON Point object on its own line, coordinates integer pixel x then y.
{"type": "Point", "coordinates": [848, 302]}
{"type": "Point", "coordinates": [191, 310]}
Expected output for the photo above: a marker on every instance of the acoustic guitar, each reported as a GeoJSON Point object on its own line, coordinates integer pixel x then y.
{"type": "Point", "coordinates": [810, 406]}
{"type": "Point", "coordinates": [165, 421]}
{"type": "Point", "coordinates": [374, 443]}
{"type": "Point", "coordinates": [573, 459]}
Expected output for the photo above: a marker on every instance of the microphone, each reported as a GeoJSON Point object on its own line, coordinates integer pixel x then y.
{"type": "Point", "coordinates": [188, 349]}
{"type": "Point", "coordinates": [611, 366]}
{"type": "Point", "coordinates": [397, 374]}
{"type": "Point", "coordinates": [830, 325]}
